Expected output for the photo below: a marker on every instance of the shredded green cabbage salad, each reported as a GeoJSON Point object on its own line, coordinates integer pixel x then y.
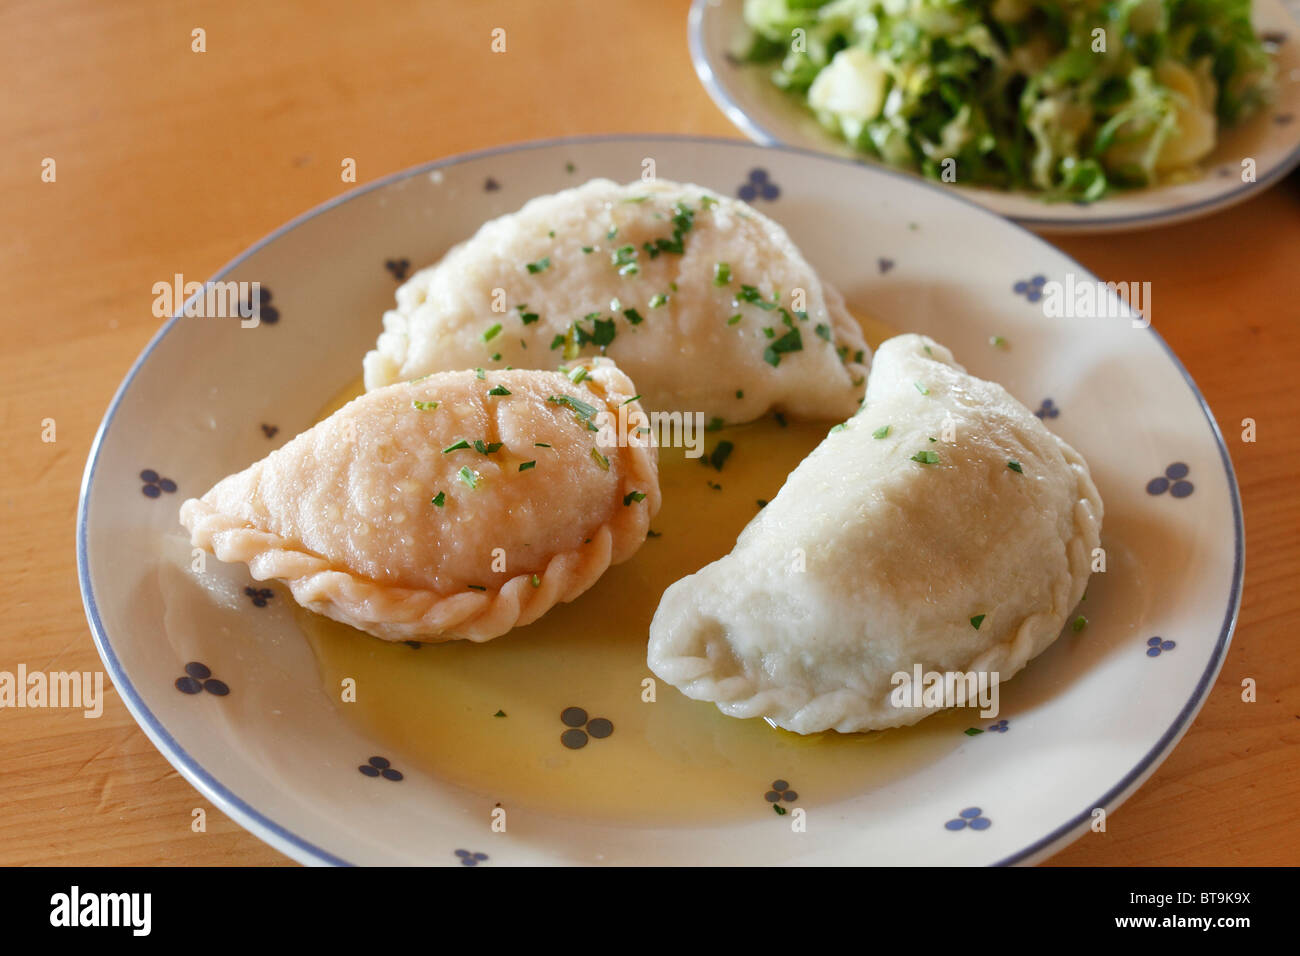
{"type": "Point", "coordinates": [1069, 99]}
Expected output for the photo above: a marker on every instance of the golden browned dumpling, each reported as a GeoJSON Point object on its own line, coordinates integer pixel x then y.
{"type": "Point", "coordinates": [459, 505]}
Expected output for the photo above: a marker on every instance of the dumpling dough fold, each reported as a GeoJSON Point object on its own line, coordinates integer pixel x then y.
{"type": "Point", "coordinates": [412, 512]}
{"type": "Point", "coordinates": [901, 527]}
{"type": "Point", "coordinates": [705, 302]}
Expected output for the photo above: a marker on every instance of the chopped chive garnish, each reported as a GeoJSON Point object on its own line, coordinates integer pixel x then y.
{"type": "Point", "coordinates": [927, 350]}
{"type": "Point", "coordinates": [749, 293]}
{"type": "Point", "coordinates": [527, 465]}
{"type": "Point", "coordinates": [652, 533]}
{"type": "Point", "coordinates": [496, 356]}
{"type": "Point", "coordinates": [536, 581]}
{"type": "Point", "coordinates": [633, 316]}
{"type": "Point", "coordinates": [631, 400]}
{"type": "Point", "coordinates": [587, 250]}
{"type": "Point", "coordinates": [551, 233]}
{"type": "Point", "coordinates": [484, 448]}
{"type": "Point", "coordinates": [859, 355]}
{"type": "Point", "coordinates": [456, 447]}
{"type": "Point", "coordinates": [469, 476]}
{"type": "Point", "coordinates": [740, 393]}
{"type": "Point", "coordinates": [762, 503]}
{"type": "Point", "coordinates": [499, 713]}
{"type": "Point", "coordinates": [599, 459]}
{"type": "Point", "coordinates": [721, 273]}
{"type": "Point", "coordinates": [541, 265]}
{"type": "Point", "coordinates": [498, 390]}
{"type": "Point", "coordinates": [540, 444]}
{"type": "Point", "coordinates": [478, 374]}
{"type": "Point", "coordinates": [721, 452]}
{"type": "Point", "coordinates": [476, 587]}
{"type": "Point", "coordinates": [578, 374]}
{"type": "Point", "coordinates": [972, 731]}
{"type": "Point", "coordinates": [926, 458]}
{"type": "Point", "coordinates": [880, 432]}
{"type": "Point", "coordinates": [977, 620]}
{"type": "Point", "coordinates": [492, 332]}
{"type": "Point", "coordinates": [997, 341]}
{"type": "Point", "coordinates": [823, 331]}
{"type": "Point", "coordinates": [632, 496]}
{"type": "Point", "coordinates": [424, 406]}
{"type": "Point", "coordinates": [838, 428]}
{"type": "Point", "coordinates": [581, 408]}
{"type": "Point", "coordinates": [528, 318]}
{"type": "Point", "coordinates": [658, 300]}
{"type": "Point", "coordinates": [921, 388]}
{"type": "Point", "coordinates": [1079, 623]}
{"type": "Point", "coordinates": [1015, 466]}
{"type": "Point", "coordinates": [780, 419]}
{"type": "Point", "coordinates": [734, 319]}
{"type": "Point", "coordinates": [439, 499]}
{"type": "Point", "coordinates": [715, 424]}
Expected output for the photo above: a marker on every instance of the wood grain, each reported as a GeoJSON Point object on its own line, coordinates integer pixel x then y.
{"type": "Point", "coordinates": [174, 161]}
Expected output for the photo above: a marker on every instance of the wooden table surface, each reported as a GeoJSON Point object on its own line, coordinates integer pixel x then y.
{"type": "Point", "coordinates": [173, 161]}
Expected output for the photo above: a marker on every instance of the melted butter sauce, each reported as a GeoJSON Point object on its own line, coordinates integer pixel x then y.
{"type": "Point", "coordinates": [668, 761]}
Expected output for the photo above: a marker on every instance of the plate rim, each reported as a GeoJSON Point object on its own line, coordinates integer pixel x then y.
{"type": "Point", "coordinates": [708, 76]}
{"type": "Point", "coordinates": [304, 851]}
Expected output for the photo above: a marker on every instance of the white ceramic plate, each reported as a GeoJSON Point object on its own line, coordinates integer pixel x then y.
{"type": "Point", "coordinates": [1085, 724]}
{"type": "Point", "coordinates": [771, 117]}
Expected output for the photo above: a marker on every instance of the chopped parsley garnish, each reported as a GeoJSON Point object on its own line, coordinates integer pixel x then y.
{"type": "Point", "coordinates": [496, 356]}
{"type": "Point", "coordinates": [439, 499]}
{"type": "Point", "coordinates": [456, 447]}
{"type": "Point", "coordinates": [423, 406]}
{"type": "Point", "coordinates": [469, 476]}
{"type": "Point", "coordinates": [1078, 624]}
{"type": "Point", "coordinates": [492, 332]}
{"type": "Point", "coordinates": [734, 319]}
{"type": "Point", "coordinates": [721, 273]}
{"type": "Point", "coordinates": [740, 393]}
{"type": "Point", "coordinates": [749, 293]}
{"type": "Point", "coordinates": [859, 355]}
{"type": "Point", "coordinates": [792, 341]}
{"type": "Point", "coordinates": [880, 432]}
{"type": "Point", "coordinates": [977, 620]}
{"type": "Point", "coordinates": [721, 452]}
{"type": "Point", "coordinates": [599, 459]}
{"type": "Point", "coordinates": [1015, 466]}
{"type": "Point", "coordinates": [528, 318]}
{"type": "Point", "coordinates": [823, 331]}
{"type": "Point", "coordinates": [921, 388]}
{"type": "Point", "coordinates": [633, 316]}
{"type": "Point", "coordinates": [926, 458]}
{"type": "Point", "coordinates": [499, 390]}
{"type": "Point", "coordinates": [525, 466]}
{"type": "Point", "coordinates": [499, 713]}
{"type": "Point", "coordinates": [541, 265]}
{"type": "Point", "coordinates": [632, 496]}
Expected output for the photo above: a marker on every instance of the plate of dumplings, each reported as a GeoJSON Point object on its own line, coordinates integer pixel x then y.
{"type": "Point", "coordinates": [651, 500]}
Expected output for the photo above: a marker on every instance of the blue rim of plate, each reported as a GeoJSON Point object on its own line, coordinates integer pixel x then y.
{"type": "Point", "coordinates": [761, 136]}
{"type": "Point", "coordinates": [281, 837]}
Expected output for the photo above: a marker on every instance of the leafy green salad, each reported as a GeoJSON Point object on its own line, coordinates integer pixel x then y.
{"type": "Point", "coordinates": [1067, 98]}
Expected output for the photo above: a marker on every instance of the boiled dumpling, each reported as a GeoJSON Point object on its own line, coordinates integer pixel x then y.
{"type": "Point", "coordinates": [943, 525]}
{"type": "Point", "coordinates": [459, 505]}
{"type": "Point", "coordinates": [702, 300]}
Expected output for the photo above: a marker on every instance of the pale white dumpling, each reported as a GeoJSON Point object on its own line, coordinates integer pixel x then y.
{"type": "Point", "coordinates": [881, 548]}
{"type": "Point", "coordinates": [458, 505]}
{"type": "Point", "coordinates": [702, 300]}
